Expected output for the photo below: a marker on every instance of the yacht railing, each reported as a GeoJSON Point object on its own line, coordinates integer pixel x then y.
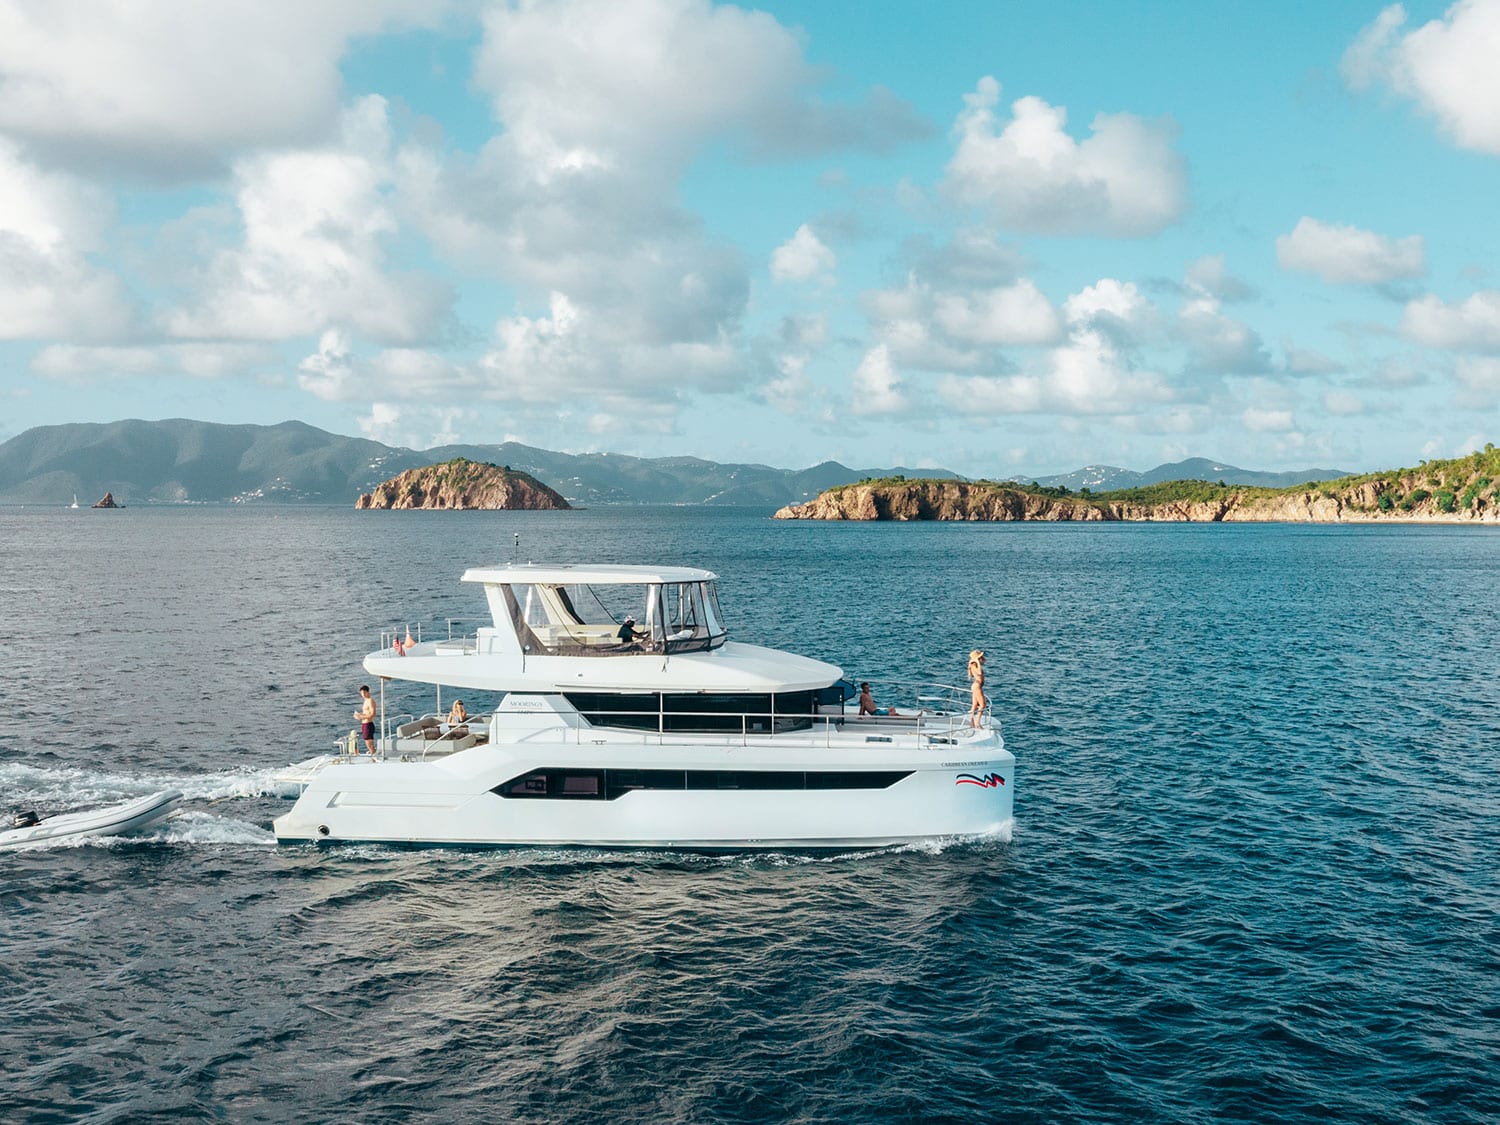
{"type": "Point", "coordinates": [389, 637]}
{"type": "Point", "coordinates": [939, 716]}
{"type": "Point", "coordinates": [390, 741]}
{"type": "Point", "coordinates": [465, 644]}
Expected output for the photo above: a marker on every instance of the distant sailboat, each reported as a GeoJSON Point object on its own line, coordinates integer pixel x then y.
{"type": "Point", "coordinates": [75, 500]}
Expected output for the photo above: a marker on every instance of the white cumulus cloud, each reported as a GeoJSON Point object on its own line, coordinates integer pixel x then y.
{"type": "Point", "coordinates": [1016, 314]}
{"type": "Point", "coordinates": [178, 87]}
{"type": "Point", "coordinates": [954, 327]}
{"type": "Point", "coordinates": [574, 357]}
{"type": "Point", "coordinates": [878, 388]}
{"type": "Point", "coordinates": [1469, 325]}
{"type": "Point", "coordinates": [1211, 274]}
{"type": "Point", "coordinates": [1218, 344]}
{"type": "Point", "coordinates": [382, 424]}
{"type": "Point", "coordinates": [1087, 375]}
{"type": "Point", "coordinates": [1110, 301]}
{"type": "Point", "coordinates": [803, 257]}
{"type": "Point", "coordinates": [1447, 66]}
{"type": "Point", "coordinates": [49, 287]}
{"type": "Point", "coordinates": [1478, 382]}
{"type": "Point", "coordinates": [603, 105]}
{"type": "Point", "coordinates": [312, 255]}
{"type": "Point", "coordinates": [1346, 255]}
{"type": "Point", "coordinates": [599, 83]}
{"type": "Point", "coordinates": [1124, 180]}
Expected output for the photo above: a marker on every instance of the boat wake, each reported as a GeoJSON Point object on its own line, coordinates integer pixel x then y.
{"type": "Point", "coordinates": [72, 786]}
{"type": "Point", "coordinates": [50, 791]}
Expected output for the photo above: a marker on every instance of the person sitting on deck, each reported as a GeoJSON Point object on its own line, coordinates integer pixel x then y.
{"type": "Point", "coordinates": [628, 633]}
{"type": "Point", "coordinates": [457, 714]}
{"type": "Point", "coordinates": [867, 702]}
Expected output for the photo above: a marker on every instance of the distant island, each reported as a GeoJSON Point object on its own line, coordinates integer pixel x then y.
{"type": "Point", "coordinates": [107, 501]}
{"type": "Point", "coordinates": [181, 461]}
{"type": "Point", "coordinates": [1460, 490]}
{"type": "Point", "coordinates": [465, 485]}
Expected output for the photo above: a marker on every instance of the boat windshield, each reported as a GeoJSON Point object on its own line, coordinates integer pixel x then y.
{"type": "Point", "coordinates": [575, 619]}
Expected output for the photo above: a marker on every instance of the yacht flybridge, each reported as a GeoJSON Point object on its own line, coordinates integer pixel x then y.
{"type": "Point", "coordinates": [629, 719]}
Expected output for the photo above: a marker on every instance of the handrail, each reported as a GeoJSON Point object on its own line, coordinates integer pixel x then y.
{"type": "Point", "coordinates": [477, 723]}
{"type": "Point", "coordinates": [943, 698]}
{"type": "Point", "coordinates": [927, 723]}
{"type": "Point", "coordinates": [452, 621]}
{"type": "Point", "coordinates": [389, 637]}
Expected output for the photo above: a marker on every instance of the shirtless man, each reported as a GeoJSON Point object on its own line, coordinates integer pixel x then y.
{"type": "Point", "coordinates": [867, 703]}
{"type": "Point", "coordinates": [366, 717]}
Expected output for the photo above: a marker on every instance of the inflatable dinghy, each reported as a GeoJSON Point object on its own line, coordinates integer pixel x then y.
{"type": "Point", "coordinates": [112, 820]}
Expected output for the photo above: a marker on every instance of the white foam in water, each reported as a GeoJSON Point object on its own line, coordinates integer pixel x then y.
{"type": "Point", "coordinates": [53, 790]}
{"type": "Point", "coordinates": [192, 826]}
{"type": "Point", "coordinates": [70, 787]}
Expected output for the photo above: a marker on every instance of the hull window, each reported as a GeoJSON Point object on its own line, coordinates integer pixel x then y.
{"type": "Point", "coordinates": [594, 785]}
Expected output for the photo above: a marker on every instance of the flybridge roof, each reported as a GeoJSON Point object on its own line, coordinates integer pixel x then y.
{"type": "Point", "coordinates": [587, 575]}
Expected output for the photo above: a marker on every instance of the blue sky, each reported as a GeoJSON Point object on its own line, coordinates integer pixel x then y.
{"type": "Point", "coordinates": [999, 238]}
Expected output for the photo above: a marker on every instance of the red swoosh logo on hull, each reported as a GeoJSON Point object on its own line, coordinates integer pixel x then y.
{"type": "Point", "coordinates": [984, 781]}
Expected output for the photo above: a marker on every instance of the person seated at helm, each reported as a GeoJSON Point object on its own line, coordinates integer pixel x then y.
{"type": "Point", "coordinates": [629, 634]}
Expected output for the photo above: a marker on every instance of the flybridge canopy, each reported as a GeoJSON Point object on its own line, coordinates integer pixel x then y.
{"type": "Point", "coordinates": [590, 575]}
{"type": "Point", "coordinates": [603, 610]}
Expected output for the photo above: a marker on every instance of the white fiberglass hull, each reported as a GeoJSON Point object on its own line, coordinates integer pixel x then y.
{"type": "Point", "coordinates": [782, 796]}
{"type": "Point", "coordinates": [113, 820]}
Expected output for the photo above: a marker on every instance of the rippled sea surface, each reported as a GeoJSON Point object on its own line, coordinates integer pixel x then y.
{"type": "Point", "coordinates": [1254, 874]}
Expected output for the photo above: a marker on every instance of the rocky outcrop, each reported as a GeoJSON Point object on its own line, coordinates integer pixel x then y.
{"type": "Point", "coordinates": [961, 500]}
{"type": "Point", "coordinates": [463, 484]}
{"type": "Point", "coordinates": [108, 501]}
{"type": "Point", "coordinates": [936, 500]}
{"type": "Point", "coordinates": [1398, 498]}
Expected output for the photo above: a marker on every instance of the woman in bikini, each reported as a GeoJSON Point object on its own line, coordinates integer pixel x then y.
{"type": "Point", "coordinates": [976, 687]}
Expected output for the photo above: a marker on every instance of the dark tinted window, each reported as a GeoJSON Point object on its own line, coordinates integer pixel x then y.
{"type": "Point", "coordinates": [704, 713]}
{"type": "Point", "coordinates": [586, 785]}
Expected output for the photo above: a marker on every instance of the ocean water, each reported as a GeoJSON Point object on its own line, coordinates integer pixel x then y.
{"type": "Point", "coordinates": [1253, 876]}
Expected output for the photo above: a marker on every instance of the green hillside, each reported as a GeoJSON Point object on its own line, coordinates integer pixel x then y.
{"type": "Point", "coordinates": [1458, 484]}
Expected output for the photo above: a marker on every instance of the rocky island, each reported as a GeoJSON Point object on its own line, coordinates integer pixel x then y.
{"type": "Point", "coordinates": [1463, 490]}
{"type": "Point", "coordinates": [465, 485]}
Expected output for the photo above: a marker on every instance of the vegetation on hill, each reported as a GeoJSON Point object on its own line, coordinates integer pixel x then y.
{"type": "Point", "coordinates": [178, 461]}
{"type": "Point", "coordinates": [463, 484]}
{"type": "Point", "coordinates": [1459, 484]}
{"type": "Point", "coordinates": [1451, 487]}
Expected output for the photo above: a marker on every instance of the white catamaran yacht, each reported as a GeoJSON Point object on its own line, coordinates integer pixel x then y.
{"type": "Point", "coordinates": [658, 734]}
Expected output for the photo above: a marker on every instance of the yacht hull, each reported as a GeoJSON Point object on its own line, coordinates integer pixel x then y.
{"type": "Point", "coordinates": [772, 797]}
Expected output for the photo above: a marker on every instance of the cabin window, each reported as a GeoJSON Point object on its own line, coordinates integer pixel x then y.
{"type": "Point", "coordinates": [715, 614]}
{"type": "Point", "coordinates": [610, 784]}
{"type": "Point", "coordinates": [577, 619]}
{"type": "Point", "coordinates": [562, 785]}
{"type": "Point", "coordinates": [702, 713]}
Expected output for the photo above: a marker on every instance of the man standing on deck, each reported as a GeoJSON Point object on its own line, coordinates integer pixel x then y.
{"type": "Point", "coordinates": [366, 717]}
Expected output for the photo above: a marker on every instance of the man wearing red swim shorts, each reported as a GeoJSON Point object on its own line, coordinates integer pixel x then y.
{"type": "Point", "coordinates": [366, 717]}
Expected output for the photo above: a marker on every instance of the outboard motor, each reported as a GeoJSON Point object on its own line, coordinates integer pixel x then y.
{"type": "Point", "coordinates": [25, 819]}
